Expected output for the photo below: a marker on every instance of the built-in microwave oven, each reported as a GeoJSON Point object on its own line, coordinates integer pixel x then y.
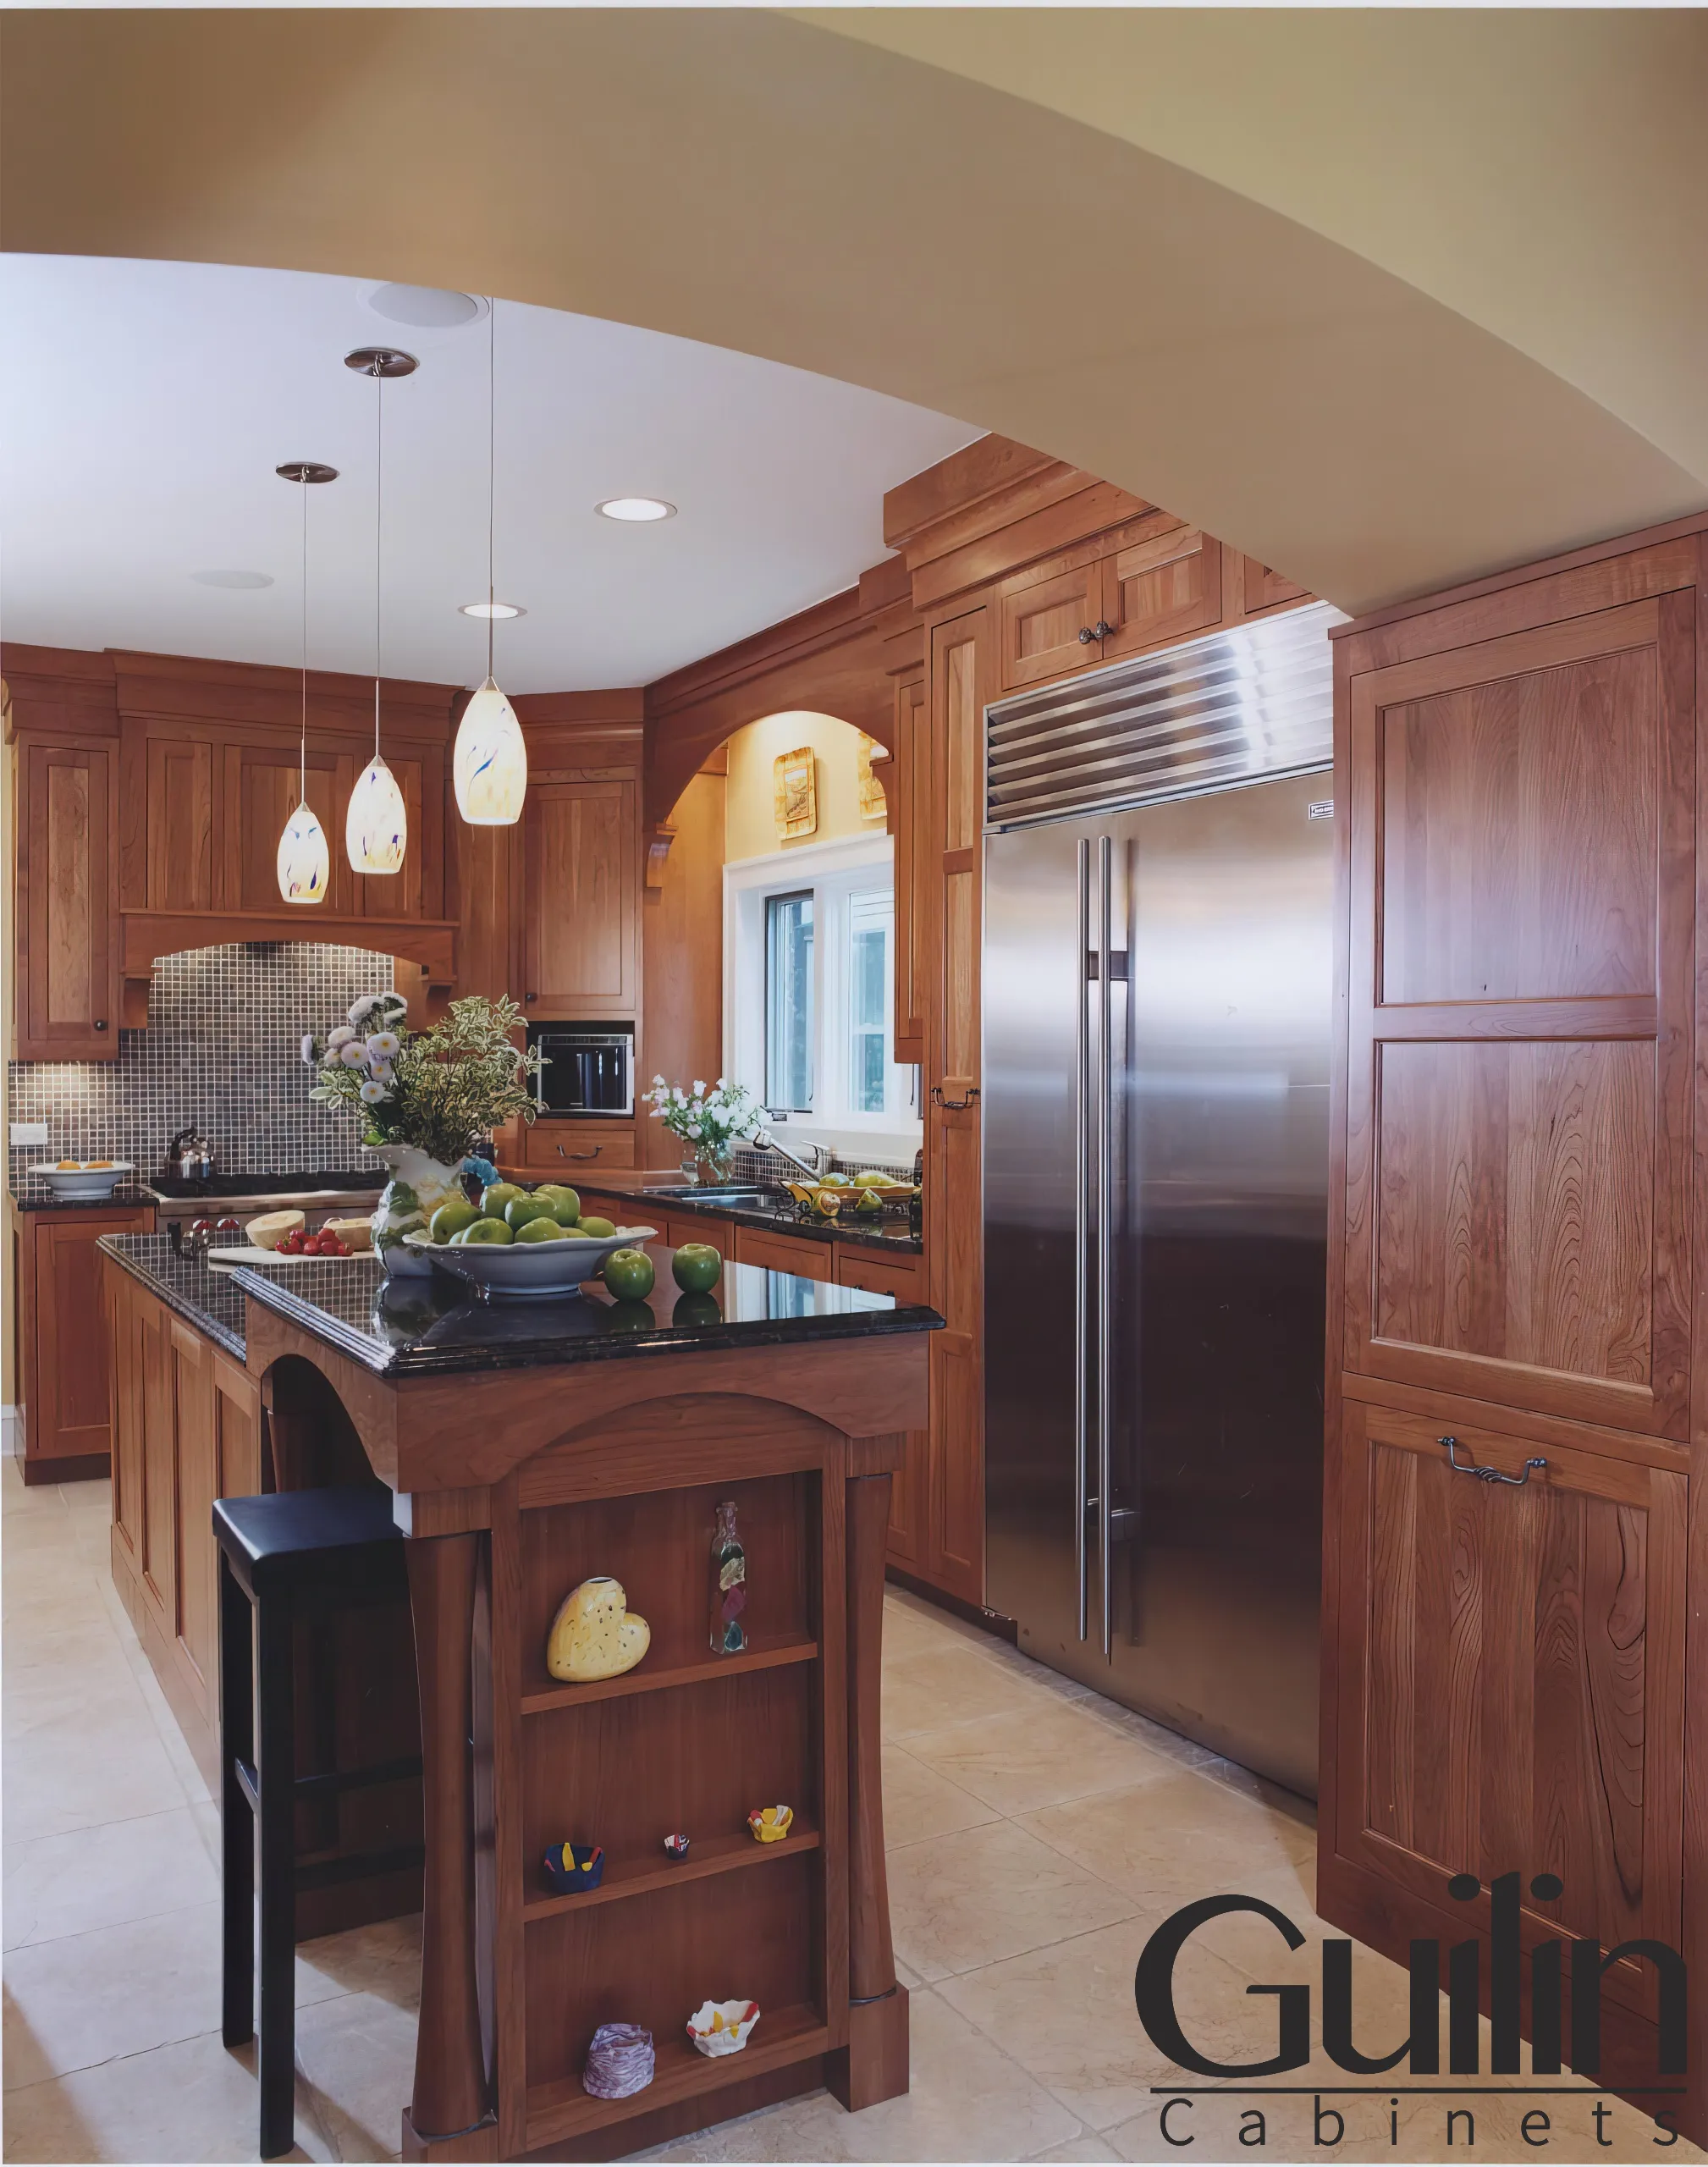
{"type": "Point", "coordinates": [589, 1069]}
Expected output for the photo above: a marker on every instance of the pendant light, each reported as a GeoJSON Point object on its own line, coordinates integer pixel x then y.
{"type": "Point", "coordinates": [305, 864]}
{"type": "Point", "coordinates": [489, 767]}
{"type": "Point", "coordinates": [376, 827]}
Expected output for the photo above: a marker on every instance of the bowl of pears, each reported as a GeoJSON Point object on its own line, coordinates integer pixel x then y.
{"type": "Point", "coordinates": [521, 1244]}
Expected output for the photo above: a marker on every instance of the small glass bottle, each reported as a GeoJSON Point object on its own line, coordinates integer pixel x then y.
{"type": "Point", "coordinates": [728, 1584]}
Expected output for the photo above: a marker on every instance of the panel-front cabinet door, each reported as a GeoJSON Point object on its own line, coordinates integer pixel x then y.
{"type": "Point", "coordinates": [1519, 1019]}
{"type": "Point", "coordinates": [67, 978]}
{"type": "Point", "coordinates": [1512, 1688]}
{"type": "Point", "coordinates": [579, 946]}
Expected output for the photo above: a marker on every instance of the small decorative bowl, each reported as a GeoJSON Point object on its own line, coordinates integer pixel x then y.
{"type": "Point", "coordinates": [722, 2027]}
{"type": "Point", "coordinates": [770, 1824]}
{"type": "Point", "coordinates": [676, 1845]}
{"type": "Point", "coordinates": [571, 1869]}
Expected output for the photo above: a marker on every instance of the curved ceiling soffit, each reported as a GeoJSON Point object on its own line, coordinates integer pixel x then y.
{"type": "Point", "coordinates": [765, 184]}
{"type": "Point", "coordinates": [1542, 172]}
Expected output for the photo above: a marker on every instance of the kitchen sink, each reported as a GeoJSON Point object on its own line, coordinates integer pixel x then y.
{"type": "Point", "coordinates": [730, 1198]}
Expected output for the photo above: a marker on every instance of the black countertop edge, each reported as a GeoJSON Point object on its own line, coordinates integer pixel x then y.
{"type": "Point", "coordinates": [122, 1198]}
{"type": "Point", "coordinates": [784, 1221]}
{"type": "Point", "coordinates": [418, 1359]}
{"type": "Point", "coordinates": [205, 1299]}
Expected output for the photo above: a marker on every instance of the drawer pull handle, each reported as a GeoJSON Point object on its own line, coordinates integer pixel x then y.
{"type": "Point", "coordinates": [1486, 1474]}
{"type": "Point", "coordinates": [969, 1092]}
{"type": "Point", "coordinates": [594, 1154]}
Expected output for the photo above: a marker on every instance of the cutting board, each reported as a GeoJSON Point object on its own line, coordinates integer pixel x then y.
{"type": "Point", "coordinates": [229, 1260]}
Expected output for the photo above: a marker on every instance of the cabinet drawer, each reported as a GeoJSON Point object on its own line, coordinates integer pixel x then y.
{"type": "Point", "coordinates": [697, 1227]}
{"type": "Point", "coordinates": [903, 1277]}
{"type": "Point", "coordinates": [782, 1252]}
{"type": "Point", "coordinates": [566, 1149]}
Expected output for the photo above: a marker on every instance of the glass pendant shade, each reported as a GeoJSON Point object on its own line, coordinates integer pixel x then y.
{"type": "Point", "coordinates": [304, 865]}
{"type": "Point", "coordinates": [489, 768]}
{"type": "Point", "coordinates": [376, 828]}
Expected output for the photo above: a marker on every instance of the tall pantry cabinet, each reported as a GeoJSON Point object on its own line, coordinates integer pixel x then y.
{"type": "Point", "coordinates": [1514, 1531]}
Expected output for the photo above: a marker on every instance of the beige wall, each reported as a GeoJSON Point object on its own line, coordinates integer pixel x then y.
{"type": "Point", "coordinates": [749, 826]}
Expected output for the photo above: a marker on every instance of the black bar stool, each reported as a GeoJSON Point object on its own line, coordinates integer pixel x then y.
{"type": "Point", "coordinates": [332, 1549]}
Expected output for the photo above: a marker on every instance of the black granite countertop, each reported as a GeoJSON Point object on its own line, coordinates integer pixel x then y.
{"type": "Point", "coordinates": [891, 1234]}
{"type": "Point", "coordinates": [427, 1327]}
{"type": "Point", "coordinates": [208, 1299]}
{"type": "Point", "coordinates": [37, 1196]}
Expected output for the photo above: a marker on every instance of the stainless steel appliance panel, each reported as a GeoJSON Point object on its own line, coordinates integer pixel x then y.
{"type": "Point", "coordinates": [1197, 1208]}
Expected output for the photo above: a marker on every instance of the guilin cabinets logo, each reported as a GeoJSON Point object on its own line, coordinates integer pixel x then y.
{"type": "Point", "coordinates": [1566, 1982]}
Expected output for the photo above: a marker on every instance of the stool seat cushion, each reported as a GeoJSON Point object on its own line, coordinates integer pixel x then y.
{"type": "Point", "coordinates": [299, 1535]}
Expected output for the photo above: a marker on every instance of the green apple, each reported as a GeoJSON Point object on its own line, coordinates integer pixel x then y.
{"type": "Point", "coordinates": [598, 1229]}
{"type": "Point", "coordinates": [521, 1209]}
{"type": "Point", "coordinates": [481, 1233]}
{"type": "Point", "coordinates": [629, 1274]}
{"type": "Point", "coordinates": [545, 1228]}
{"type": "Point", "coordinates": [451, 1217]}
{"type": "Point", "coordinates": [565, 1199]}
{"type": "Point", "coordinates": [494, 1198]}
{"type": "Point", "coordinates": [697, 1266]}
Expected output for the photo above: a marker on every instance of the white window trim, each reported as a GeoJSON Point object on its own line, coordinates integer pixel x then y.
{"type": "Point", "coordinates": [747, 882]}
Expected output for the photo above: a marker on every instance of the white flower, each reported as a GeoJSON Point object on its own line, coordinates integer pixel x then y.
{"type": "Point", "coordinates": [309, 1055]}
{"type": "Point", "coordinates": [361, 1008]}
{"type": "Point", "coordinates": [693, 1129]}
{"type": "Point", "coordinates": [380, 1070]}
{"type": "Point", "coordinates": [383, 1045]}
{"type": "Point", "coordinates": [373, 1093]}
{"type": "Point", "coordinates": [657, 1082]}
{"type": "Point", "coordinates": [341, 1036]}
{"type": "Point", "coordinates": [699, 1089]}
{"type": "Point", "coordinates": [354, 1054]}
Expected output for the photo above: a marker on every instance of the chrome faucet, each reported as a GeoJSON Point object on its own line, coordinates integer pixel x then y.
{"type": "Point", "coordinates": [812, 1167]}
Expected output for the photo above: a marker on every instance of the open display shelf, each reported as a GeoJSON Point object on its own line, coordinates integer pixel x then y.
{"type": "Point", "coordinates": [688, 1739]}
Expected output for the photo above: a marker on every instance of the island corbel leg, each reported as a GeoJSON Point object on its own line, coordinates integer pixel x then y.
{"type": "Point", "coordinates": [874, 2065]}
{"type": "Point", "coordinates": [450, 2116]}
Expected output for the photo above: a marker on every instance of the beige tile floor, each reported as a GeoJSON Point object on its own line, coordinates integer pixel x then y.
{"type": "Point", "coordinates": [1036, 1833]}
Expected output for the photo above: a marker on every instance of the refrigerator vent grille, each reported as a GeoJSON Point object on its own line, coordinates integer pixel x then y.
{"type": "Point", "coordinates": [1228, 709]}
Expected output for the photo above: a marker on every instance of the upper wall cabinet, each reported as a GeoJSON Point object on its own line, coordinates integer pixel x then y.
{"type": "Point", "coordinates": [67, 969]}
{"type": "Point", "coordinates": [581, 929]}
{"type": "Point", "coordinates": [1522, 981]}
{"type": "Point", "coordinates": [1153, 580]}
{"type": "Point", "coordinates": [1161, 585]}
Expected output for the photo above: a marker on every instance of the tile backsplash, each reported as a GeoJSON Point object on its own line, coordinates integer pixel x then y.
{"type": "Point", "coordinates": [222, 1050]}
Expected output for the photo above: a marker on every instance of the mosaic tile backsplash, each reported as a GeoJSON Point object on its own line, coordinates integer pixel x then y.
{"type": "Point", "coordinates": [223, 1051]}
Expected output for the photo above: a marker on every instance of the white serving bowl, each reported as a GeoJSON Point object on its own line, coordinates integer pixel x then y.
{"type": "Point", "coordinates": [523, 1271]}
{"type": "Point", "coordinates": [85, 1182]}
{"type": "Point", "coordinates": [732, 2035]}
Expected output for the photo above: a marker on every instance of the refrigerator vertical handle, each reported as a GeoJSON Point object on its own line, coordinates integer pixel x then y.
{"type": "Point", "coordinates": [1082, 1240]}
{"type": "Point", "coordinates": [1105, 1246]}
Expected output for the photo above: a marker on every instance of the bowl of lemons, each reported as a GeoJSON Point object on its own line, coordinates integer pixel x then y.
{"type": "Point", "coordinates": [523, 1243]}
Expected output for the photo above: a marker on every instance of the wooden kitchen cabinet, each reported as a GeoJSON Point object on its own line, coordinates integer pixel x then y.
{"type": "Point", "coordinates": [66, 965]}
{"type": "Point", "coordinates": [581, 890]}
{"type": "Point", "coordinates": [806, 1260]}
{"type": "Point", "coordinates": [1266, 588]}
{"type": "Point", "coordinates": [1046, 617]}
{"type": "Point", "coordinates": [574, 1148]}
{"type": "Point", "coordinates": [1516, 1264]}
{"type": "Point", "coordinates": [1164, 583]}
{"type": "Point", "coordinates": [902, 1277]}
{"type": "Point", "coordinates": [63, 1340]}
{"type": "Point", "coordinates": [260, 789]}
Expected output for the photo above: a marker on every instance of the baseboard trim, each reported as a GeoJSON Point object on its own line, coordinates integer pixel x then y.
{"type": "Point", "coordinates": [68, 1467]}
{"type": "Point", "coordinates": [993, 1622]}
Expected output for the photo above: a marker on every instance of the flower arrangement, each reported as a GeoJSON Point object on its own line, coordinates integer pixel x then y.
{"type": "Point", "coordinates": [709, 1122]}
{"type": "Point", "coordinates": [441, 1090]}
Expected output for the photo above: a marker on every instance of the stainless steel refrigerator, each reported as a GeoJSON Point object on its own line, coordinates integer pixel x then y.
{"type": "Point", "coordinates": [1157, 986]}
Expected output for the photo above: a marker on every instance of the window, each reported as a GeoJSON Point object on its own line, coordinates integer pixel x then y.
{"type": "Point", "coordinates": [789, 1002]}
{"type": "Point", "coordinates": [809, 992]}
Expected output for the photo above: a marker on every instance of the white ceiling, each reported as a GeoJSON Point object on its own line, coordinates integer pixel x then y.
{"type": "Point", "coordinates": [144, 407]}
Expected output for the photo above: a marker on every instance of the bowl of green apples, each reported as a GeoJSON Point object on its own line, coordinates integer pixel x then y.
{"type": "Point", "coordinates": [521, 1244]}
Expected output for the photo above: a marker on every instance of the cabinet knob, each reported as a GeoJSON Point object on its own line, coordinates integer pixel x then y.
{"type": "Point", "coordinates": [1087, 634]}
{"type": "Point", "coordinates": [101, 1023]}
{"type": "Point", "coordinates": [530, 997]}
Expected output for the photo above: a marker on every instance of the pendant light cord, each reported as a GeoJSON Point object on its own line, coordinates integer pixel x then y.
{"type": "Point", "coordinates": [492, 460]}
{"type": "Point", "coordinates": [302, 753]}
{"type": "Point", "coordinates": [378, 535]}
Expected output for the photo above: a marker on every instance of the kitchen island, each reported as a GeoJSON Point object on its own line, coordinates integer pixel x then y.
{"type": "Point", "coordinates": [531, 1446]}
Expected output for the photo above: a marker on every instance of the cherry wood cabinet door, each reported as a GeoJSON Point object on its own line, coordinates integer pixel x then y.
{"type": "Point", "coordinates": [68, 1412]}
{"type": "Point", "coordinates": [178, 822]}
{"type": "Point", "coordinates": [260, 786]}
{"type": "Point", "coordinates": [785, 1252]}
{"type": "Point", "coordinates": [66, 971]}
{"type": "Point", "coordinates": [1266, 588]}
{"type": "Point", "coordinates": [196, 1485]}
{"type": "Point", "coordinates": [158, 1518]}
{"type": "Point", "coordinates": [1521, 959]}
{"type": "Point", "coordinates": [1163, 585]}
{"type": "Point", "coordinates": [1512, 1687]}
{"type": "Point", "coordinates": [1041, 614]}
{"type": "Point", "coordinates": [913, 816]}
{"type": "Point", "coordinates": [581, 887]}
{"type": "Point", "coordinates": [960, 677]}
{"type": "Point", "coordinates": [123, 1313]}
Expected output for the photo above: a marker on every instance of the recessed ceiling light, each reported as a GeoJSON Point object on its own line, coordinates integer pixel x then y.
{"type": "Point", "coordinates": [232, 579]}
{"type": "Point", "coordinates": [492, 609]}
{"type": "Point", "coordinates": [636, 508]}
{"type": "Point", "coordinates": [430, 308]}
